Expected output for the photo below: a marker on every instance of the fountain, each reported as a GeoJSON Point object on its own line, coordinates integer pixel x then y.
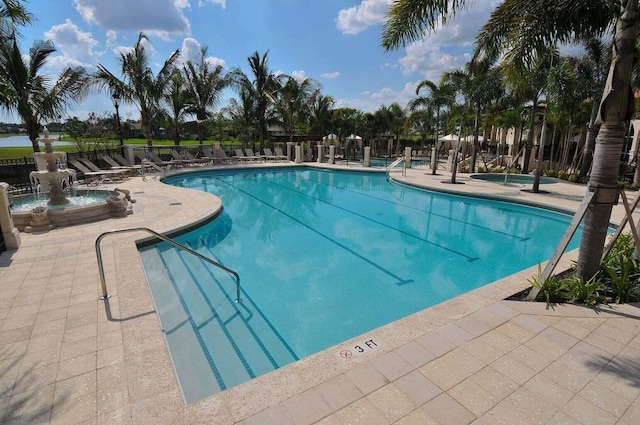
{"type": "Point", "coordinates": [49, 175]}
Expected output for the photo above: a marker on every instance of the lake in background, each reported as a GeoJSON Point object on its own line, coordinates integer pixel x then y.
{"type": "Point", "coordinates": [23, 141]}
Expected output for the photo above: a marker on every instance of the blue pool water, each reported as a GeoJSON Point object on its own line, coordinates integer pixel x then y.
{"type": "Point", "coordinates": [324, 257]}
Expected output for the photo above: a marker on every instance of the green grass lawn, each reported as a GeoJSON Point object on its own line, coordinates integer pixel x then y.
{"type": "Point", "coordinates": [27, 151]}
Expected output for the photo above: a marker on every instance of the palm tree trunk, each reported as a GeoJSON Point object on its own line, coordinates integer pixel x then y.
{"type": "Point", "coordinates": [592, 132]}
{"type": "Point", "coordinates": [617, 105]}
{"type": "Point", "coordinates": [474, 148]}
{"type": "Point", "coordinates": [530, 134]}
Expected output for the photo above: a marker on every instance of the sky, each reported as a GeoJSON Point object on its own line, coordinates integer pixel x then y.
{"type": "Point", "coordinates": [335, 42]}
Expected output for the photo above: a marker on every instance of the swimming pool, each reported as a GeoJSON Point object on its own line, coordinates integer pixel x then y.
{"type": "Point", "coordinates": [512, 178]}
{"type": "Point", "coordinates": [323, 257]}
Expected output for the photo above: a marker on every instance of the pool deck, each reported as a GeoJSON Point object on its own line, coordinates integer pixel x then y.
{"type": "Point", "coordinates": [68, 358]}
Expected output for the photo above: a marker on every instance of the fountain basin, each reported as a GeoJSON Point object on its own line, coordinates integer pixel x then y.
{"type": "Point", "coordinates": [84, 207]}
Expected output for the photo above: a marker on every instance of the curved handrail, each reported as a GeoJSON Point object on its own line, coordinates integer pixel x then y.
{"type": "Point", "coordinates": [105, 295]}
{"type": "Point", "coordinates": [147, 162]}
{"type": "Point", "coordinates": [393, 164]}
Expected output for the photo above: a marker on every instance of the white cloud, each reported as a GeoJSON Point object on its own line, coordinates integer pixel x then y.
{"type": "Point", "coordinates": [385, 96]}
{"type": "Point", "coordinates": [222, 3]}
{"type": "Point", "coordinates": [330, 75]}
{"type": "Point", "coordinates": [190, 51]}
{"type": "Point", "coordinates": [358, 18]}
{"type": "Point", "coordinates": [112, 37]}
{"type": "Point", "coordinates": [73, 43]}
{"type": "Point", "coordinates": [450, 46]}
{"type": "Point", "coordinates": [299, 76]}
{"type": "Point", "coordinates": [156, 17]}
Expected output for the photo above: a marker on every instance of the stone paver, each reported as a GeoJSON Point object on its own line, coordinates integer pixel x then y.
{"type": "Point", "coordinates": [66, 357]}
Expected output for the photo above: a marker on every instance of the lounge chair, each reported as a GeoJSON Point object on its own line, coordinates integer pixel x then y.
{"type": "Point", "coordinates": [252, 156]}
{"type": "Point", "coordinates": [202, 160]}
{"type": "Point", "coordinates": [156, 160]}
{"type": "Point", "coordinates": [270, 155]}
{"type": "Point", "coordinates": [91, 176]}
{"type": "Point", "coordinates": [116, 166]}
{"type": "Point", "coordinates": [279, 153]}
{"type": "Point", "coordinates": [181, 160]}
{"type": "Point", "coordinates": [240, 156]}
{"type": "Point", "coordinates": [95, 168]}
{"type": "Point", "coordinates": [219, 156]}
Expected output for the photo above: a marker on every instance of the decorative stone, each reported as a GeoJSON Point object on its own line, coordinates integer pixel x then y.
{"type": "Point", "coordinates": [39, 220]}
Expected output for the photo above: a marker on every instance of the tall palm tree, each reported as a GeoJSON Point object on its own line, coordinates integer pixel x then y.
{"type": "Point", "coordinates": [294, 103]}
{"type": "Point", "coordinates": [262, 87]}
{"type": "Point", "coordinates": [593, 67]}
{"type": "Point", "coordinates": [242, 113]}
{"type": "Point", "coordinates": [177, 101]}
{"type": "Point", "coordinates": [441, 97]}
{"type": "Point", "coordinates": [523, 27]}
{"type": "Point", "coordinates": [25, 90]}
{"type": "Point", "coordinates": [139, 86]}
{"type": "Point", "coordinates": [205, 83]}
{"type": "Point", "coordinates": [321, 107]}
{"type": "Point", "coordinates": [12, 15]}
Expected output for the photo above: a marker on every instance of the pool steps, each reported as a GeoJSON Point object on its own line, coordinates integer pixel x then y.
{"type": "Point", "coordinates": [200, 309]}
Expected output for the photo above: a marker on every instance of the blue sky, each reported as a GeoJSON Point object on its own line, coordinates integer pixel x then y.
{"type": "Point", "coordinates": [335, 42]}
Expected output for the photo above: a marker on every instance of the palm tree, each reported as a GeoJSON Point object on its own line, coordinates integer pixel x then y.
{"type": "Point", "coordinates": [242, 113]}
{"type": "Point", "coordinates": [294, 103]}
{"type": "Point", "coordinates": [321, 113]}
{"type": "Point", "coordinates": [442, 96]}
{"type": "Point", "coordinates": [139, 86]}
{"type": "Point", "coordinates": [523, 27]}
{"type": "Point", "coordinates": [26, 91]}
{"type": "Point", "coordinates": [12, 15]}
{"type": "Point", "coordinates": [593, 68]}
{"type": "Point", "coordinates": [204, 83]}
{"type": "Point", "coordinates": [177, 101]}
{"type": "Point", "coordinates": [263, 88]}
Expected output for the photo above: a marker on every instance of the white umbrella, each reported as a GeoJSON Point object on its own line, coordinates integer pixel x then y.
{"type": "Point", "coordinates": [447, 141]}
{"type": "Point", "coordinates": [469, 138]}
{"type": "Point", "coordinates": [328, 139]}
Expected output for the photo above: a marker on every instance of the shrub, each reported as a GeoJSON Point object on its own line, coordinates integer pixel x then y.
{"type": "Point", "coordinates": [552, 173]}
{"type": "Point", "coordinates": [620, 272]}
{"type": "Point", "coordinates": [573, 178]}
{"type": "Point", "coordinates": [563, 175]}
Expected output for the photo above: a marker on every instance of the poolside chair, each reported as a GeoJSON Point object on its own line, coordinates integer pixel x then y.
{"type": "Point", "coordinates": [270, 155]}
{"type": "Point", "coordinates": [202, 160]}
{"type": "Point", "coordinates": [156, 160]}
{"type": "Point", "coordinates": [278, 152]}
{"type": "Point", "coordinates": [252, 156]}
{"type": "Point", "coordinates": [93, 167]}
{"type": "Point", "coordinates": [116, 166]}
{"type": "Point", "coordinates": [219, 156]}
{"type": "Point", "coordinates": [181, 160]}
{"type": "Point", "coordinates": [240, 156]}
{"type": "Point", "coordinates": [92, 176]}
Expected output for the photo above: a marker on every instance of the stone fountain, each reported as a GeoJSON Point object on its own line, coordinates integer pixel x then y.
{"type": "Point", "coordinates": [49, 175]}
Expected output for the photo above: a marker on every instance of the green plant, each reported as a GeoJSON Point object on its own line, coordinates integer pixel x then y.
{"type": "Point", "coordinates": [573, 178]}
{"type": "Point", "coordinates": [621, 272]}
{"type": "Point", "coordinates": [552, 173]}
{"type": "Point", "coordinates": [563, 175]}
{"type": "Point", "coordinates": [552, 289]}
{"type": "Point", "coordinates": [589, 292]}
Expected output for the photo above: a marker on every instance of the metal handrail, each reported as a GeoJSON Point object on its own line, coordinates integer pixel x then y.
{"type": "Point", "coordinates": [105, 295]}
{"type": "Point", "coordinates": [393, 164]}
{"type": "Point", "coordinates": [147, 162]}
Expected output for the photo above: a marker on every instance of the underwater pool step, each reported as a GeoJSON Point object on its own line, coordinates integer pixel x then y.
{"type": "Point", "coordinates": [236, 342]}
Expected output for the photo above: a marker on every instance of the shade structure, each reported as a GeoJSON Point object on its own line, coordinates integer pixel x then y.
{"type": "Point", "coordinates": [329, 139]}
{"type": "Point", "coordinates": [447, 140]}
{"type": "Point", "coordinates": [469, 138]}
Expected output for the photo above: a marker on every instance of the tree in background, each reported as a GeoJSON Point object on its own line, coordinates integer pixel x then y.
{"type": "Point", "coordinates": [204, 83]}
{"type": "Point", "coordinates": [29, 93]}
{"type": "Point", "coordinates": [262, 87]}
{"type": "Point", "coordinates": [139, 85]}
